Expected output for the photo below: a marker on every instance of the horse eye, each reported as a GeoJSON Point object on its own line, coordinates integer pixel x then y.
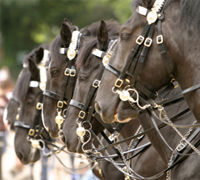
{"type": "Point", "coordinates": [30, 101]}
{"type": "Point", "coordinates": [125, 36]}
{"type": "Point", "coordinates": [54, 72]}
{"type": "Point", "coordinates": [82, 78]}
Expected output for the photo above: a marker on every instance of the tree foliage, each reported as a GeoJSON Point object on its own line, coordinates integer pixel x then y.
{"type": "Point", "coordinates": [25, 24]}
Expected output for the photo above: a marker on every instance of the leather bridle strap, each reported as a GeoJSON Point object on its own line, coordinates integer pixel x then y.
{"type": "Point", "coordinates": [95, 115]}
{"type": "Point", "coordinates": [53, 95]}
{"type": "Point", "coordinates": [146, 131]}
{"type": "Point", "coordinates": [138, 85]}
{"type": "Point", "coordinates": [161, 45]}
{"type": "Point", "coordinates": [143, 55]}
{"type": "Point", "coordinates": [195, 87]}
{"type": "Point", "coordinates": [139, 41]}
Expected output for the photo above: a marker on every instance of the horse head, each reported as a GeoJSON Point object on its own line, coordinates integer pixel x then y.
{"type": "Point", "coordinates": [90, 67]}
{"type": "Point", "coordinates": [29, 90]}
{"type": "Point", "coordinates": [148, 56]}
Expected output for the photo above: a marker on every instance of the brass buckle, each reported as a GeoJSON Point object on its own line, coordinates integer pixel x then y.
{"type": "Point", "coordinates": [118, 83]}
{"type": "Point", "coordinates": [31, 132]}
{"type": "Point", "coordinates": [39, 106]}
{"type": "Point", "coordinates": [175, 85]}
{"type": "Point", "coordinates": [81, 114]}
{"type": "Point", "coordinates": [180, 147]}
{"type": "Point", "coordinates": [72, 72]}
{"type": "Point", "coordinates": [139, 40]}
{"type": "Point", "coordinates": [148, 42]}
{"type": "Point", "coordinates": [159, 39]}
{"type": "Point", "coordinates": [60, 104]}
{"type": "Point", "coordinates": [96, 83]}
{"type": "Point", "coordinates": [67, 72]}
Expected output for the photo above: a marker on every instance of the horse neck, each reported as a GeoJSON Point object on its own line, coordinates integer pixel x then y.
{"type": "Point", "coordinates": [130, 129]}
{"type": "Point", "coordinates": [169, 134]}
{"type": "Point", "coordinates": [182, 46]}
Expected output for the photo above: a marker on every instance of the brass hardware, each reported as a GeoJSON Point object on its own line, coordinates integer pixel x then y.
{"type": "Point", "coordinates": [39, 106]}
{"type": "Point", "coordinates": [67, 72]}
{"type": "Point", "coordinates": [124, 95]}
{"type": "Point", "coordinates": [159, 39]}
{"type": "Point", "coordinates": [96, 83]}
{"type": "Point", "coordinates": [17, 117]}
{"type": "Point", "coordinates": [71, 53]}
{"type": "Point", "coordinates": [148, 42]}
{"type": "Point", "coordinates": [80, 131]}
{"type": "Point", "coordinates": [81, 114]}
{"type": "Point", "coordinates": [175, 86]}
{"type": "Point", "coordinates": [127, 80]}
{"type": "Point", "coordinates": [59, 119]}
{"type": "Point", "coordinates": [31, 132]}
{"type": "Point", "coordinates": [72, 72]}
{"type": "Point", "coordinates": [118, 83]}
{"type": "Point", "coordinates": [35, 143]}
{"type": "Point", "coordinates": [42, 86]}
{"type": "Point", "coordinates": [106, 59]}
{"type": "Point", "coordinates": [152, 17]}
{"type": "Point", "coordinates": [60, 104]}
{"type": "Point", "coordinates": [139, 40]}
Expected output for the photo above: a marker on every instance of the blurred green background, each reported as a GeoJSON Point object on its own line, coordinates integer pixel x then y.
{"type": "Point", "coordinates": [25, 24]}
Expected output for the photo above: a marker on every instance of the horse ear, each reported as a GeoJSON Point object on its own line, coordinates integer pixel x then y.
{"type": "Point", "coordinates": [39, 55]}
{"type": "Point", "coordinates": [148, 3]}
{"type": "Point", "coordinates": [66, 33]}
{"type": "Point", "coordinates": [67, 21]}
{"type": "Point", "coordinates": [102, 36]}
{"type": "Point", "coordinates": [33, 68]}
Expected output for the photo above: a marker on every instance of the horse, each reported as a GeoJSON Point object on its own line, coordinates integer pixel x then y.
{"type": "Point", "coordinates": [89, 66]}
{"type": "Point", "coordinates": [60, 82]}
{"type": "Point", "coordinates": [160, 72]}
{"type": "Point", "coordinates": [28, 95]}
{"type": "Point", "coordinates": [55, 76]}
{"type": "Point", "coordinates": [177, 61]}
{"type": "Point", "coordinates": [12, 109]}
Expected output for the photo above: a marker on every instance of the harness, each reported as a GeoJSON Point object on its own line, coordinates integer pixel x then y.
{"type": "Point", "coordinates": [130, 73]}
{"type": "Point", "coordinates": [69, 78]}
{"type": "Point", "coordinates": [36, 129]}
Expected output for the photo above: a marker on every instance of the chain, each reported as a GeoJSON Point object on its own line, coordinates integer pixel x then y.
{"type": "Point", "coordinates": [162, 111]}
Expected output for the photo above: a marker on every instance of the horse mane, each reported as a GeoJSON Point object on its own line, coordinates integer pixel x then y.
{"type": "Point", "coordinates": [85, 51]}
{"type": "Point", "coordinates": [190, 14]}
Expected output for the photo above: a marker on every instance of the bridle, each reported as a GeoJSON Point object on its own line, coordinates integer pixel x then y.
{"type": "Point", "coordinates": [134, 65]}
{"type": "Point", "coordinates": [36, 129]}
{"type": "Point", "coordinates": [69, 78]}
{"type": "Point", "coordinates": [87, 109]}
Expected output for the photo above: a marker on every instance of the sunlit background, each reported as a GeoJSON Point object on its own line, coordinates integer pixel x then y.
{"type": "Point", "coordinates": [25, 24]}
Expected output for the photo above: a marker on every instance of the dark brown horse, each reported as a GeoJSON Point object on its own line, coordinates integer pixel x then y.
{"type": "Point", "coordinates": [89, 67]}
{"type": "Point", "coordinates": [155, 73]}
{"type": "Point", "coordinates": [179, 32]}
{"type": "Point", "coordinates": [12, 109]}
{"type": "Point", "coordinates": [56, 85]}
{"type": "Point", "coordinates": [28, 95]}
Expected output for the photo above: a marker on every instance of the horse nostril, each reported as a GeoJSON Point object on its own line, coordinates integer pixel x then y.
{"type": "Point", "coordinates": [19, 155]}
{"type": "Point", "coordinates": [62, 136]}
{"type": "Point", "coordinates": [97, 108]}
